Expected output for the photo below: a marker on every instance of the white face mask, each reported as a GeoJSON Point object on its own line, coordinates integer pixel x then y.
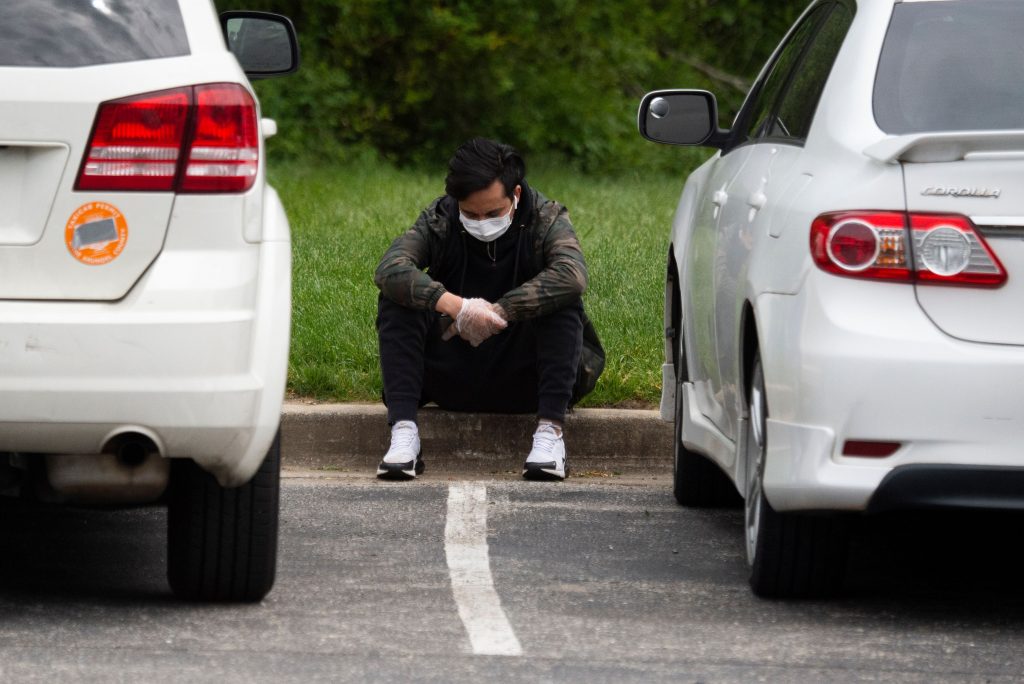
{"type": "Point", "coordinates": [489, 230]}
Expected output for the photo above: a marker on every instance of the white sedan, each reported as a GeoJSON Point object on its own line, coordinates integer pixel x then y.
{"type": "Point", "coordinates": [844, 304]}
{"type": "Point", "coordinates": [145, 274]}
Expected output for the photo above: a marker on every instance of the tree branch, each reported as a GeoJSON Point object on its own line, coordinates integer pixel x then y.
{"type": "Point", "coordinates": [715, 74]}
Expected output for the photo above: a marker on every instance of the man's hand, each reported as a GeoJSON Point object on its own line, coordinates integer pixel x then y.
{"type": "Point", "coordinates": [496, 308]}
{"type": "Point", "coordinates": [475, 322]}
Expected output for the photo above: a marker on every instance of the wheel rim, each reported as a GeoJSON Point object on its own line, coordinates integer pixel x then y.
{"type": "Point", "coordinates": [755, 464]}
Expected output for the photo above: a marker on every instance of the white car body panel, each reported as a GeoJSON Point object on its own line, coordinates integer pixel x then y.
{"type": "Point", "coordinates": [184, 336]}
{"type": "Point", "coordinates": [990, 316]}
{"type": "Point", "coordinates": [858, 371]}
{"type": "Point", "coordinates": [36, 133]}
{"type": "Point", "coordinates": [935, 367]}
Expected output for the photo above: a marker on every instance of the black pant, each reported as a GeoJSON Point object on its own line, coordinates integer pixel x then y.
{"type": "Point", "coordinates": [530, 367]}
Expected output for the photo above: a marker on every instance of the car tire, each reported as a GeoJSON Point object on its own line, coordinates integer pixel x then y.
{"type": "Point", "coordinates": [222, 542]}
{"type": "Point", "coordinates": [696, 481]}
{"type": "Point", "coordinates": [790, 555]}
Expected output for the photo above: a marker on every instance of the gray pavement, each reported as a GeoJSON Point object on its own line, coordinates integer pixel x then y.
{"type": "Point", "coordinates": [353, 437]}
{"type": "Point", "coordinates": [602, 579]}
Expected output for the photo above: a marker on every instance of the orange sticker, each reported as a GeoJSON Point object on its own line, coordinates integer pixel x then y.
{"type": "Point", "coordinates": [96, 233]}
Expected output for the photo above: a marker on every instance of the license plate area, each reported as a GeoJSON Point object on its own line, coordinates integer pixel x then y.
{"type": "Point", "coordinates": [29, 179]}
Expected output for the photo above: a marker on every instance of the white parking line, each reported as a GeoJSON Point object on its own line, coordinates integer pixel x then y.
{"type": "Point", "coordinates": [465, 546]}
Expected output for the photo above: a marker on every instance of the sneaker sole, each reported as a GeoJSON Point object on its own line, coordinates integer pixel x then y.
{"type": "Point", "coordinates": [539, 472]}
{"type": "Point", "coordinates": [400, 471]}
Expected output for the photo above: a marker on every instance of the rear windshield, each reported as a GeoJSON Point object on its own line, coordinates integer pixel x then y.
{"type": "Point", "coordinates": [74, 33]}
{"type": "Point", "coordinates": [952, 66]}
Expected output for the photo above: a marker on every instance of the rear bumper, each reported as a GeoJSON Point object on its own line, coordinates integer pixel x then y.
{"type": "Point", "coordinates": [938, 486]}
{"type": "Point", "coordinates": [195, 356]}
{"type": "Point", "coordinates": [864, 363]}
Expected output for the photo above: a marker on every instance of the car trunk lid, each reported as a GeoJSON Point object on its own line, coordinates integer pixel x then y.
{"type": "Point", "coordinates": [65, 239]}
{"type": "Point", "coordinates": [983, 186]}
{"type": "Point", "coordinates": [55, 242]}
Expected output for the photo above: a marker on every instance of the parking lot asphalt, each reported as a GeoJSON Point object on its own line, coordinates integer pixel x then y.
{"type": "Point", "coordinates": [597, 579]}
{"type": "Point", "coordinates": [354, 437]}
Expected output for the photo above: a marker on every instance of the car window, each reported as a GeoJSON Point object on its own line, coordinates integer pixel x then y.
{"type": "Point", "coordinates": [756, 115]}
{"type": "Point", "coordinates": [75, 33]}
{"type": "Point", "coordinates": [953, 65]}
{"type": "Point", "coordinates": [793, 118]}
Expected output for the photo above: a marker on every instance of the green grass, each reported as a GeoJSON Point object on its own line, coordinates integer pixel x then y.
{"type": "Point", "coordinates": [343, 217]}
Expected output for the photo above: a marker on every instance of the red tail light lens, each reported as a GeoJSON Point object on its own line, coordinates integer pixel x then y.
{"type": "Point", "coordinates": [927, 248]}
{"type": "Point", "coordinates": [136, 143]}
{"type": "Point", "coordinates": [866, 245]}
{"type": "Point", "coordinates": [225, 149]}
{"type": "Point", "coordinates": [195, 139]}
{"type": "Point", "coordinates": [853, 245]}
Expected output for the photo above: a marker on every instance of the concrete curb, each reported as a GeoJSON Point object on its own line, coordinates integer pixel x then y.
{"type": "Point", "coordinates": [355, 436]}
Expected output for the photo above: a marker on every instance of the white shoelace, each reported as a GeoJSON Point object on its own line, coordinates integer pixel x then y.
{"type": "Point", "coordinates": [545, 438]}
{"type": "Point", "coordinates": [403, 438]}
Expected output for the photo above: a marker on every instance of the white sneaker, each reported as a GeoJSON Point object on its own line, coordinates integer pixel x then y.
{"type": "Point", "coordinates": [403, 459]}
{"type": "Point", "coordinates": [547, 458]}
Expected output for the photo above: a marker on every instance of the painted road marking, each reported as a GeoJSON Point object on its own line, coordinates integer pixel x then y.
{"type": "Point", "coordinates": [465, 546]}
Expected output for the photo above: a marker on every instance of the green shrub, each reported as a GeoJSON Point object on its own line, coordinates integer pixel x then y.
{"type": "Point", "coordinates": [343, 217]}
{"type": "Point", "coordinates": [412, 79]}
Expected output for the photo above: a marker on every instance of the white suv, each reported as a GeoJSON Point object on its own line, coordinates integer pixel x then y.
{"type": "Point", "coordinates": [846, 277]}
{"type": "Point", "coordinates": [145, 274]}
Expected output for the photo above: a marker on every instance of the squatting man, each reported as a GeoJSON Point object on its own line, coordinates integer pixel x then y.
{"type": "Point", "coordinates": [480, 310]}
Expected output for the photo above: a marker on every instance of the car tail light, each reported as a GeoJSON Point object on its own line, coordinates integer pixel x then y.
{"type": "Point", "coordinates": [225, 147]}
{"type": "Point", "coordinates": [136, 142]}
{"type": "Point", "coordinates": [195, 139]}
{"type": "Point", "coordinates": [927, 248]}
{"type": "Point", "coordinates": [868, 245]}
{"type": "Point", "coordinates": [947, 249]}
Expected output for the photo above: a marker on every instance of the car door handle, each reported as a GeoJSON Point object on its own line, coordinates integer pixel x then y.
{"type": "Point", "coordinates": [720, 198]}
{"type": "Point", "coordinates": [757, 200]}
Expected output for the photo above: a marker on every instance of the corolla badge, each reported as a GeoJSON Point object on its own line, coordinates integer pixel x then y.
{"type": "Point", "coordinates": [953, 191]}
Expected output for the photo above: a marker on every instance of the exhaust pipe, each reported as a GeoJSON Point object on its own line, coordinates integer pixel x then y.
{"type": "Point", "coordinates": [130, 470]}
{"type": "Point", "coordinates": [131, 448]}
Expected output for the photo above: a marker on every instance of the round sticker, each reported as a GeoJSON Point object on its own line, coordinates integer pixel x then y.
{"type": "Point", "coordinates": [96, 233]}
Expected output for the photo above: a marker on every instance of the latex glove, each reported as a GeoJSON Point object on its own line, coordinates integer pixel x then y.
{"type": "Point", "coordinates": [476, 322]}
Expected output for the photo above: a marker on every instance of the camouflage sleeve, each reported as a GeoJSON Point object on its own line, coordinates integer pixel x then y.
{"type": "Point", "coordinates": [400, 275]}
{"type": "Point", "coordinates": [563, 278]}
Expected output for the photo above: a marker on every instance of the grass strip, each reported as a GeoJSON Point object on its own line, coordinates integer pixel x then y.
{"type": "Point", "coordinates": [344, 216]}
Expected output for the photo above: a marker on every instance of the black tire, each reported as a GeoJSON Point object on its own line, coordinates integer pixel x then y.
{"type": "Point", "coordinates": [696, 481]}
{"type": "Point", "coordinates": [790, 555]}
{"type": "Point", "coordinates": [222, 542]}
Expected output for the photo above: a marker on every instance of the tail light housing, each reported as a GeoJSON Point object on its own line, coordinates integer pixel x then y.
{"type": "Point", "coordinates": [197, 139]}
{"type": "Point", "coordinates": [905, 247]}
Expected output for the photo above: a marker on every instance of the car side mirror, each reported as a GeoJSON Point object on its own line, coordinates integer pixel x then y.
{"type": "Point", "coordinates": [680, 117]}
{"type": "Point", "coordinates": [263, 43]}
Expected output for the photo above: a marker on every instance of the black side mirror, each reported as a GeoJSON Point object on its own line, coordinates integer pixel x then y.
{"type": "Point", "coordinates": [680, 117]}
{"type": "Point", "coordinates": [264, 43]}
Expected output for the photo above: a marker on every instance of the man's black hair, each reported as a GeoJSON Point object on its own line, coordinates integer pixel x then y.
{"type": "Point", "coordinates": [478, 163]}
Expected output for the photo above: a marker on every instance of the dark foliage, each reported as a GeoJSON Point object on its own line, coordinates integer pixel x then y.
{"type": "Point", "coordinates": [412, 79]}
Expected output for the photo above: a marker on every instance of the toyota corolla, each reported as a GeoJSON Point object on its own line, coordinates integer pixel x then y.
{"type": "Point", "coordinates": [845, 280]}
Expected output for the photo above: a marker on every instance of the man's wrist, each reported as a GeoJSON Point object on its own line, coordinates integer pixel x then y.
{"type": "Point", "coordinates": [502, 309]}
{"type": "Point", "coordinates": [449, 304]}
